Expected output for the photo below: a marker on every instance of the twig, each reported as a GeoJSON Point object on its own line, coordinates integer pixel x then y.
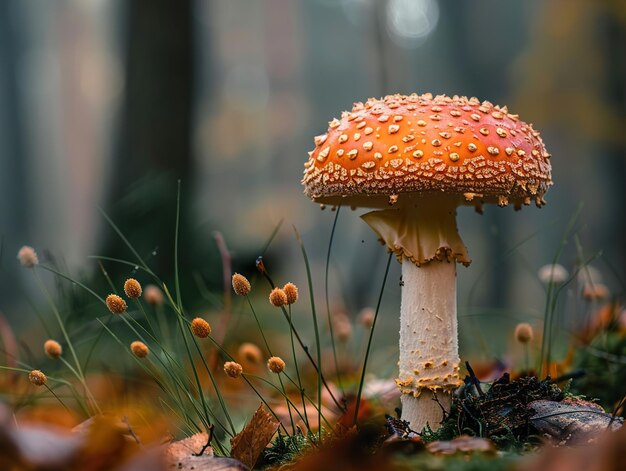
{"type": "Point", "coordinates": [474, 379]}
{"type": "Point", "coordinates": [443, 409]}
{"type": "Point", "coordinates": [616, 409]}
{"type": "Point", "coordinates": [208, 442]}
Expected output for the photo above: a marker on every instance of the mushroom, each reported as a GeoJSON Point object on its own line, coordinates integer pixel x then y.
{"type": "Point", "coordinates": [415, 159]}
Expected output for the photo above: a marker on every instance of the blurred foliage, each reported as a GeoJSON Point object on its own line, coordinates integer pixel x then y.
{"type": "Point", "coordinates": [574, 92]}
{"type": "Point", "coordinates": [604, 364]}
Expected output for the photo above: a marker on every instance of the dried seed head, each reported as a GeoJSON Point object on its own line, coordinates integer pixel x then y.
{"type": "Point", "coordinates": [116, 304]}
{"type": "Point", "coordinates": [241, 285]}
{"type": "Point", "coordinates": [200, 328]}
{"type": "Point", "coordinates": [595, 291]}
{"type": "Point", "coordinates": [233, 369]}
{"type": "Point", "coordinates": [27, 256]}
{"type": "Point", "coordinates": [524, 333]}
{"type": "Point", "coordinates": [276, 365]}
{"type": "Point", "coordinates": [291, 291]}
{"type": "Point", "coordinates": [38, 378]}
{"type": "Point", "coordinates": [139, 349]}
{"type": "Point", "coordinates": [366, 317]}
{"type": "Point", "coordinates": [553, 273]}
{"type": "Point", "coordinates": [52, 348]}
{"type": "Point", "coordinates": [153, 295]}
{"type": "Point", "coordinates": [278, 297]}
{"type": "Point", "coordinates": [250, 353]}
{"type": "Point", "coordinates": [132, 288]}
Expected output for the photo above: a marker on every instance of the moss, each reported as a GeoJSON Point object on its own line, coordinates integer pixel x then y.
{"type": "Point", "coordinates": [284, 448]}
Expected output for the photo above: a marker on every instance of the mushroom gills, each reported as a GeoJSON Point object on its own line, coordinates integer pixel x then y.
{"type": "Point", "coordinates": [421, 230]}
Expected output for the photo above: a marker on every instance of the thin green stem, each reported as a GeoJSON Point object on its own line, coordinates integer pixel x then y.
{"type": "Point", "coordinates": [193, 368]}
{"type": "Point", "coordinates": [78, 371]}
{"type": "Point", "coordinates": [78, 283]}
{"type": "Point", "coordinates": [305, 349]}
{"type": "Point", "coordinates": [369, 341]}
{"type": "Point", "coordinates": [330, 323]}
{"type": "Point", "coordinates": [71, 387]}
{"type": "Point", "coordinates": [58, 399]}
{"type": "Point", "coordinates": [93, 344]}
{"type": "Point", "coordinates": [282, 386]}
{"type": "Point", "coordinates": [313, 404]}
{"type": "Point", "coordinates": [317, 333]}
{"type": "Point", "coordinates": [269, 350]}
{"type": "Point", "coordinates": [215, 386]}
{"type": "Point", "coordinates": [295, 362]}
{"type": "Point", "coordinates": [267, 345]}
{"type": "Point", "coordinates": [548, 312]}
{"type": "Point", "coordinates": [260, 396]}
{"type": "Point", "coordinates": [177, 385]}
{"type": "Point", "coordinates": [90, 397]}
{"type": "Point", "coordinates": [145, 315]}
{"type": "Point", "coordinates": [125, 240]}
{"type": "Point", "coordinates": [57, 314]}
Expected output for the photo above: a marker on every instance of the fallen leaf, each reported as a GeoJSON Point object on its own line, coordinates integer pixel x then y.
{"type": "Point", "coordinates": [248, 444]}
{"type": "Point", "coordinates": [570, 422]}
{"type": "Point", "coordinates": [461, 444]}
{"type": "Point", "coordinates": [98, 446]}
{"type": "Point", "coordinates": [350, 452]}
{"type": "Point", "coordinates": [606, 453]}
{"type": "Point", "coordinates": [43, 444]}
{"type": "Point", "coordinates": [182, 454]}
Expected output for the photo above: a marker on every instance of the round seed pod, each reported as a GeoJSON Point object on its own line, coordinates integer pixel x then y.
{"type": "Point", "coordinates": [132, 288]}
{"type": "Point", "coordinates": [276, 365]}
{"type": "Point", "coordinates": [241, 285]}
{"type": "Point", "coordinates": [139, 349]}
{"type": "Point", "coordinates": [200, 328]}
{"type": "Point", "coordinates": [116, 304]}
{"type": "Point", "coordinates": [37, 377]}
{"type": "Point", "coordinates": [233, 369]}
{"type": "Point", "coordinates": [53, 348]}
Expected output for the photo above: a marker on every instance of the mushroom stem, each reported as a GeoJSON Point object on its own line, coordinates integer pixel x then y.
{"type": "Point", "coordinates": [423, 234]}
{"type": "Point", "coordinates": [429, 359]}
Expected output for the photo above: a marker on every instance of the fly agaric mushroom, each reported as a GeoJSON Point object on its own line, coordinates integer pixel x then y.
{"type": "Point", "coordinates": [416, 159]}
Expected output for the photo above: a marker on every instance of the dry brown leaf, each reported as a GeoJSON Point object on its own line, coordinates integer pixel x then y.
{"type": "Point", "coordinates": [248, 444]}
{"type": "Point", "coordinates": [461, 444]}
{"type": "Point", "coordinates": [98, 446]}
{"type": "Point", "coordinates": [183, 453]}
{"type": "Point", "coordinates": [37, 446]}
{"type": "Point", "coordinates": [607, 453]}
{"type": "Point", "coordinates": [571, 423]}
{"type": "Point", "coordinates": [350, 452]}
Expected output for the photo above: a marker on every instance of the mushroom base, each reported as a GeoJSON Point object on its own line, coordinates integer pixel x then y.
{"type": "Point", "coordinates": [421, 230]}
{"type": "Point", "coordinates": [429, 407]}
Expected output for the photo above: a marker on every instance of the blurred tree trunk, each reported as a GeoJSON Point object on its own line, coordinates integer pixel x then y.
{"type": "Point", "coordinates": [464, 45]}
{"type": "Point", "coordinates": [154, 146]}
{"type": "Point", "coordinates": [15, 200]}
{"type": "Point", "coordinates": [615, 47]}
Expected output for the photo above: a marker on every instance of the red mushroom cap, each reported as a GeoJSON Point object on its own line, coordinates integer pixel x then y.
{"type": "Point", "coordinates": [402, 144]}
